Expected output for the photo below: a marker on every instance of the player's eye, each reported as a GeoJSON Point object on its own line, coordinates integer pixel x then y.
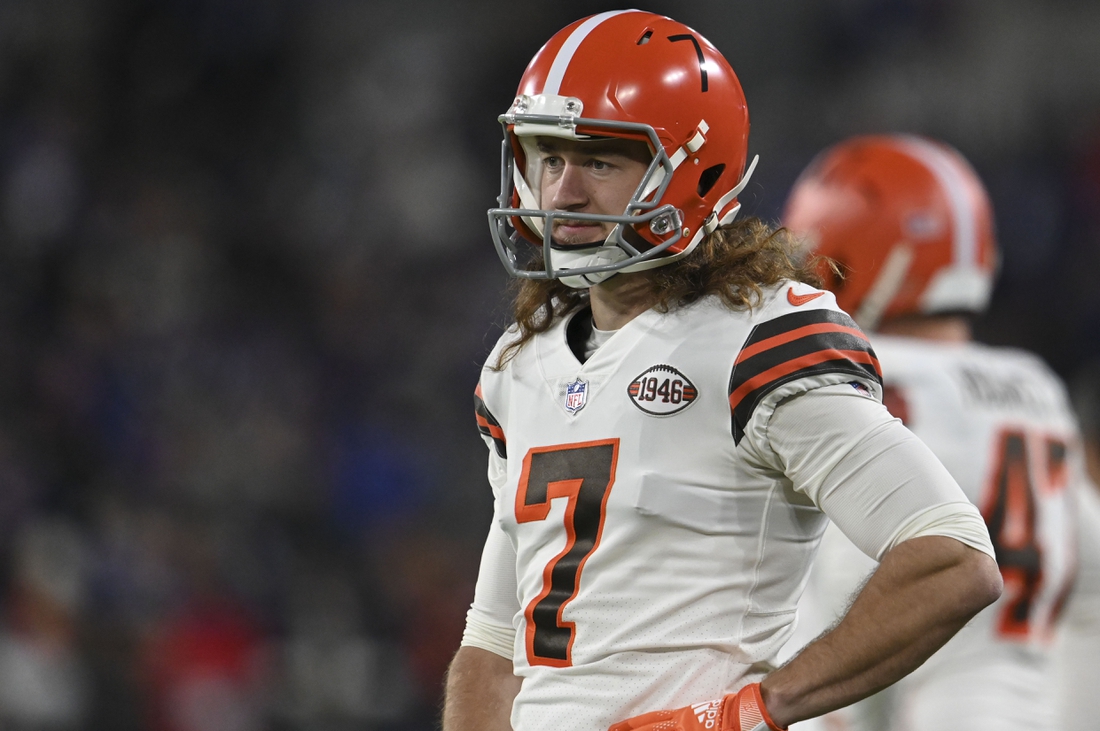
{"type": "Point", "coordinates": [551, 161]}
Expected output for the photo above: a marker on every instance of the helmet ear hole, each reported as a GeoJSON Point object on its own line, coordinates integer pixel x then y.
{"type": "Point", "coordinates": [709, 177]}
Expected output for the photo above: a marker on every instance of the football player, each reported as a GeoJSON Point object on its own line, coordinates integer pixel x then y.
{"type": "Point", "coordinates": [909, 226]}
{"type": "Point", "coordinates": [670, 421]}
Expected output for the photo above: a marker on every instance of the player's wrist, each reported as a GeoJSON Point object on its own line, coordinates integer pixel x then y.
{"type": "Point", "coordinates": [750, 705]}
{"type": "Point", "coordinates": [740, 711]}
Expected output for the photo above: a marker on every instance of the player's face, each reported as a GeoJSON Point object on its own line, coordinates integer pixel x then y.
{"type": "Point", "coordinates": [597, 176]}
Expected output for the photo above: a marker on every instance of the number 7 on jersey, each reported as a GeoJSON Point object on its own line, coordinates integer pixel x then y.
{"type": "Point", "coordinates": [583, 474]}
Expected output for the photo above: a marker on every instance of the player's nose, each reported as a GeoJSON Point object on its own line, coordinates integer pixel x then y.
{"type": "Point", "coordinates": [571, 192]}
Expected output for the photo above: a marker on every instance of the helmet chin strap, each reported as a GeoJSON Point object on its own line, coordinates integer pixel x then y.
{"type": "Point", "coordinates": [885, 287]}
{"type": "Point", "coordinates": [586, 256]}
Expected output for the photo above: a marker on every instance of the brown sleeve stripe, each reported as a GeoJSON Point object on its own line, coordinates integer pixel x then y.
{"type": "Point", "coordinates": [793, 346]}
{"type": "Point", "coordinates": [488, 425]}
{"type": "Point", "coordinates": [793, 366]}
{"type": "Point", "coordinates": [795, 334]}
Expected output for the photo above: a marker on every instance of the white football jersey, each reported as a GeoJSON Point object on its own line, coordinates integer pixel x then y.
{"type": "Point", "coordinates": [1000, 421]}
{"type": "Point", "coordinates": [657, 563]}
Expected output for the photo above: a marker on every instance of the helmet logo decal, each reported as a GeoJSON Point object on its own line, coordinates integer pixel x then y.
{"type": "Point", "coordinates": [922, 226]}
{"type": "Point", "coordinates": [661, 390]}
{"type": "Point", "coordinates": [698, 53]}
{"type": "Point", "coordinates": [945, 170]}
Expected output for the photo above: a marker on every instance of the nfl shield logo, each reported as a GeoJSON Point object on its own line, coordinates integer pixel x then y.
{"type": "Point", "coordinates": [576, 393]}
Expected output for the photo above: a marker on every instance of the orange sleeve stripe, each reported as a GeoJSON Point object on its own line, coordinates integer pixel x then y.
{"type": "Point", "coordinates": [492, 429]}
{"type": "Point", "coordinates": [795, 334]}
{"type": "Point", "coordinates": [487, 423]}
{"type": "Point", "coordinates": [796, 364]}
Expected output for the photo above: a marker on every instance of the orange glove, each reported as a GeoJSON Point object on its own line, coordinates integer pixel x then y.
{"type": "Point", "coordinates": [740, 711]}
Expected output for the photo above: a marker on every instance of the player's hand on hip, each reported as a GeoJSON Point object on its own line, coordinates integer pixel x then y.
{"type": "Point", "coordinates": [740, 711]}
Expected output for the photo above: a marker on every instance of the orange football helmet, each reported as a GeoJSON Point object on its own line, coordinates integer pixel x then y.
{"type": "Point", "coordinates": [907, 220]}
{"type": "Point", "coordinates": [633, 75]}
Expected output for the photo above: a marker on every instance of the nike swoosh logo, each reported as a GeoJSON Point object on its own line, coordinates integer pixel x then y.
{"type": "Point", "coordinates": [801, 299]}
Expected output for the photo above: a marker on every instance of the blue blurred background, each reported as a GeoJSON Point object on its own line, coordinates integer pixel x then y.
{"type": "Point", "coordinates": [246, 285]}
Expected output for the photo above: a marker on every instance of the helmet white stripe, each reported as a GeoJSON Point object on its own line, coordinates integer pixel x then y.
{"type": "Point", "coordinates": [572, 43]}
{"type": "Point", "coordinates": [964, 239]}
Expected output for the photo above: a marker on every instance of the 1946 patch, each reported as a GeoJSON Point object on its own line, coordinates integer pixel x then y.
{"type": "Point", "coordinates": [662, 391]}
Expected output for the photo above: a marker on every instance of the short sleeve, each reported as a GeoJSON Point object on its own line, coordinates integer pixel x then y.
{"type": "Point", "coordinates": [871, 476]}
{"type": "Point", "coordinates": [489, 622]}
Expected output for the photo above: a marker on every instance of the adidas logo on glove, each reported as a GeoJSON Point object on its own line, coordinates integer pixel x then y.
{"type": "Point", "coordinates": [707, 713]}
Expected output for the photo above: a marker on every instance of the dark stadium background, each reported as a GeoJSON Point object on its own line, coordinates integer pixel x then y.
{"type": "Point", "coordinates": [246, 283]}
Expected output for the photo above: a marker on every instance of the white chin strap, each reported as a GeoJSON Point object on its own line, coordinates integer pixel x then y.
{"type": "Point", "coordinates": [586, 256]}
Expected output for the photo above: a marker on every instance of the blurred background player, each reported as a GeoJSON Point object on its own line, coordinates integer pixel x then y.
{"type": "Point", "coordinates": [670, 421]}
{"type": "Point", "coordinates": [910, 227]}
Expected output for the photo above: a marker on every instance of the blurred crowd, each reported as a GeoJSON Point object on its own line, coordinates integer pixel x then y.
{"type": "Point", "coordinates": [246, 286]}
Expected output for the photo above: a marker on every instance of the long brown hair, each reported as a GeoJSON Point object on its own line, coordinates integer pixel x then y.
{"type": "Point", "coordinates": [735, 263]}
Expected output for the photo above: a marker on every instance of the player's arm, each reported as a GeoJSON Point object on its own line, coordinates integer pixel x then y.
{"type": "Point", "coordinates": [923, 592]}
{"type": "Point", "coordinates": [480, 684]}
{"type": "Point", "coordinates": [479, 693]}
{"type": "Point", "coordinates": [890, 495]}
